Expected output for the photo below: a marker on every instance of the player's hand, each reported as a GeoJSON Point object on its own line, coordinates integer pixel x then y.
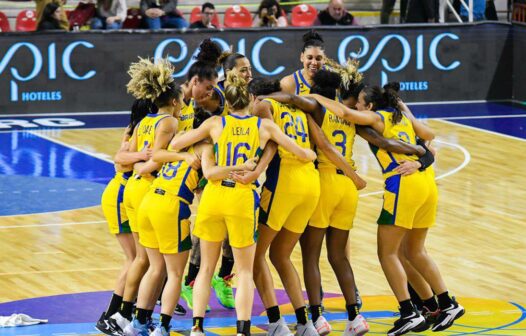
{"type": "Point", "coordinates": [250, 164]}
{"type": "Point", "coordinates": [359, 182]}
{"type": "Point", "coordinates": [244, 176]}
{"type": "Point", "coordinates": [193, 161]}
{"type": "Point", "coordinates": [145, 154]}
{"type": "Point", "coordinates": [310, 155]}
{"type": "Point", "coordinates": [408, 167]}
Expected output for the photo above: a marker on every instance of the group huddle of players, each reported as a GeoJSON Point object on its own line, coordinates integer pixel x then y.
{"type": "Point", "coordinates": [214, 139]}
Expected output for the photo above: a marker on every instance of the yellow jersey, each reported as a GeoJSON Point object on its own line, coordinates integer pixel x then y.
{"type": "Point", "coordinates": [186, 118]}
{"type": "Point", "coordinates": [239, 140]}
{"type": "Point", "coordinates": [146, 130]}
{"type": "Point", "coordinates": [341, 134]}
{"type": "Point", "coordinates": [293, 122]}
{"type": "Point", "coordinates": [178, 178]}
{"type": "Point", "coordinates": [401, 131]}
{"type": "Point", "coordinates": [223, 105]}
{"type": "Point", "coordinates": [302, 85]}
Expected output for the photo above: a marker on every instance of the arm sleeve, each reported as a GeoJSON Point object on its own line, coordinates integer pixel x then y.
{"type": "Point", "coordinates": [427, 159]}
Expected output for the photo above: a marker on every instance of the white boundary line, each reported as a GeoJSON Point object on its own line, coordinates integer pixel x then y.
{"type": "Point", "coordinates": [481, 117]}
{"type": "Point", "coordinates": [4, 227]}
{"type": "Point", "coordinates": [467, 159]}
{"type": "Point", "coordinates": [481, 130]}
{"type": "Point", "coordinates": [95, 155]}
{"type": "Point", "coordinates": [62, 114]}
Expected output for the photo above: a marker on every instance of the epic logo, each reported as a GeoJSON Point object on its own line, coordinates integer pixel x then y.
{"type": "Point", "coordinates": [406, 55]}
{"type": "Point", "coordinates": [37, 68]}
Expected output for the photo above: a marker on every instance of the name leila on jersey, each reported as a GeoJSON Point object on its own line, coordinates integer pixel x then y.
{"type": "Point", "coordinates": [335, 119]}
{"type": "Point", "coordinates": [240, 131]}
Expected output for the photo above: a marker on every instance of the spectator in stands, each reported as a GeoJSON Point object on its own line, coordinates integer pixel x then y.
{"type": "Point", "coordinates": [41, 4]}
{"type": "Point", "coordinates": [387, 9]}
{"type": "Point", "coordinates": [50, 19]}
{"type": "Point", "coordinates": [335, 15]}
{"type": "Point", "coordinates": [162, 14]}
{"type": "Point", "coordinates": [269, 15]}
{"type": "Point", "coordinates": [479, 9]}
{"type": "Point", "coordinates": [422, 11]}
{"type": "Point", "coordinates": [110, 14]}
{"type": "Point", "coordinates": [208, 11]}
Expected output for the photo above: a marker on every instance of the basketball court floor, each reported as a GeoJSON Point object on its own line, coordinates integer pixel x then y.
{"type": "Point", "coordinates": [58, 261]}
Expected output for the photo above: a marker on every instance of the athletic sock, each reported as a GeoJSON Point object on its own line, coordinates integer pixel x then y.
{"type": "Point", "coordinates": [115, 303]}
{"type": "Point", "coordinates": [273, 314]}
{"type": "Point", "coordinates": [193, 269]}
{"type": "Point", "coordinates": [243, 327]}
{"type": "Point", "coordinates": [431, 304]}
{"type": "Point", "coordinates": [141, 315]}
{"type": "Point", "coordinates": [226, 267]}
{"type": "Point", "coordinates": [315, 312]}
{"type": "Point", "coordinates": [126, 310]}
{"type": "Point", "coordinates": [444, 301]}
{"type": "Point", "coordinates": [406, 308]}
{"type": "Point", "coordinates": [301, 315]}
{"type": "Point", "coordinates": [198, 323]}
{"type": "Point", "coordinates": [165, 321]}
{"type": "Point", "coordinates": [352, 311]}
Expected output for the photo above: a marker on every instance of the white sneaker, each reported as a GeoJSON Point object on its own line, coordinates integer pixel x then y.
{"type": "Point", "coordinates": [356, 327]}
{"type": "Point", "coordinates": [306, 329]}
{"type": "Point", "coordinates": [279, 328]}
{"type": "Point", "coordinates": [118, 322]}
{"type": "Point", "coordinates": [160, 331]}
{"type": "Point", "coordinates": [322, 326]}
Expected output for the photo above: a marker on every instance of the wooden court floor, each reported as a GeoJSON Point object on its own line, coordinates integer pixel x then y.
{"type": "Point", "coordinates": [479, 241]}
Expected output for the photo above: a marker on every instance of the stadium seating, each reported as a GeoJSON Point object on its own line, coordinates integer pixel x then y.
{"type": "Point", "coordinates": [237, 17]}
{"type": "Point", "coordinates": [4, 23]}
{"type": "Point", "coordinates": [303, 15]}
{"type": "Point", "coordinates": [26, 20]}
{"type": "Point", "coordinates": [519, 12]}
{"type": "Point", "coordinates": [195, 15]}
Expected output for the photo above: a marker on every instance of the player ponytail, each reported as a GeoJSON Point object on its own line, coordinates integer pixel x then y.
{"type": "Point", "coordinates": [139, 110]}
{"type": "Point", "coordinates": [153, 81]}
{"type": "Point", "coordinates": [205, 68]}
{"type": "Point", "coordinates": [236, 92]}
{"type": "Point", "coordinates": [312, 39]}
{"type": "Point", "coordinates": [351, 78]}
{"type": "Point", "coordinates": [391, 100]}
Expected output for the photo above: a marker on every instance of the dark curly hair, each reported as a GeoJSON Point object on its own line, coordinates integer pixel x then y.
{"type": "Point", "coordinates": [263, 86]}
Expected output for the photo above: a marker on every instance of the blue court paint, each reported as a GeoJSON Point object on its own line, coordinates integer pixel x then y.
{"type": "Point", "coordinates": [510, 126]}
{"type": "Point", "coordinates": [466, 110]}
{"type": "Point", "coordinates": [37, 175]}
{"type": "Point", "coordinates": [88, 307]}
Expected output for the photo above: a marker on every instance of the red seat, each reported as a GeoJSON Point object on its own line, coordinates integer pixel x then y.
{"type": "Point", "coordinates": [238, 17]}
{"type": "Point", "coordinates": [4, 23]}
{"type": "Point", "coordinates": [519, 12]}
{"type": "Point", "coordinates": [133, 19]}
{"type": "Point", "coordinates": [195, 16]}
{"type": "Point", "coordinates": [303, 15]}
{"type": "Point", "coordinates": [26, 20]}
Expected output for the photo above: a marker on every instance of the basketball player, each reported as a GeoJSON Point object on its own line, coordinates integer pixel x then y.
{"type": "Point", "coordinates": [229, 207]}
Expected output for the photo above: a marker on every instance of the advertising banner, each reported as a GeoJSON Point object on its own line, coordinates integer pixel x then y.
{"type": "Point", "coordinates": [87, 71]}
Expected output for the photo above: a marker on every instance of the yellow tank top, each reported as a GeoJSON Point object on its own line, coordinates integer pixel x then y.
{"type": "Point", "coordinates": [186, 118]}
{"type": "Point", "coordinates": [146, 130]}
{"type": "Point", "coordinates": [239, 140]}
{"type": "Point", "coordinates": [302, 85]}
{"type": "Point", "coordinates": [401, 131]}
{"type": "Point", "coordinates": [293, 122]}
{"type": "Point", "coordinates": [341, 135]}
{"type": "Point", "coordinates": [178, 178]}
{"type": "Point", "coordinates": [223, 106]}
